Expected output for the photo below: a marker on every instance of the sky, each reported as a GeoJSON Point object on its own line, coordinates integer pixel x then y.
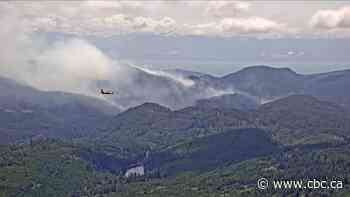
{"type": "Point", "coordinates": [216, 37]}
{"type": "Point", "coordinates": [207, 18]}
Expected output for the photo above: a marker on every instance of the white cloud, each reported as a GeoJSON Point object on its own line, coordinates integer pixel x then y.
{"type": "Point", "coordinates": [101, 26]}
{"type": "Point", "coordinates": [331, 19]}
{"type": "Point", "coordinates": [111, 7]}
{"type": "Point", "coordinates": [106, 18]}
{"type": "Point", "coordinates": [237, 26]}
{"type": "Point", "coordinates": [125, 24]}
{"type": "Point", "coordinates": [226, 8]}
{"type": "Point", "coordinates": [201, 29]}
{"type": "Point", "coordinates": [78, 9]}
{"type": "Point", "coordinates": [122, 23]}
{"type": "Point", "coordinates": [220, 18]}
{"type": "Point", "coordinates": [148, 24]}
{"type": "Point", "coordinates": [249, 25]}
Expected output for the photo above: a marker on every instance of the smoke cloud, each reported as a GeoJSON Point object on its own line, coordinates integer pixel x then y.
{"type": "Point", "coordinates": [70, 65]}
{"type": "Point", "coordinates": [177, 78]}
{"type": "Point", "coordinates": [77, 66]}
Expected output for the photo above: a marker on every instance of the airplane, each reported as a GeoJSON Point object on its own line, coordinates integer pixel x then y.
{"type": "Point", "coordinates": [107, 92]}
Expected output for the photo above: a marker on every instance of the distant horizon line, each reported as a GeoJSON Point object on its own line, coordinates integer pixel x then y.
{"type": "Point", "coordinates": [235, 66]}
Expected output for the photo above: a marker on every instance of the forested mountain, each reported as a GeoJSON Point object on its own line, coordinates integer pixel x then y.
{"type": "Point", "coordinates": [304, 119]}
{"type": "Point", "coordinates": [175, 89]}
{"type": "Point", "coordinates": [26, 112]}
{"type": "Point", "coordinates": [258, 126]}
{"type": "Point", "coordinates": [233, 101]}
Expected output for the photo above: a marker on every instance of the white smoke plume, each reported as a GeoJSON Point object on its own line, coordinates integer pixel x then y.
{"type": "Point", "coordinates": [182, 80]}
{"type": "Point", "coordinates": [212, 92]}
{"type": "Point", "coordinates": [71, 65]}
{"type": "Point", "coordinates": [77, 66]}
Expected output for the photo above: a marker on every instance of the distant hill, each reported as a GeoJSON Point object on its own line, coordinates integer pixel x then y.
{"type": "Point", "coordinates": [186, 73]}
{"type": "Point", "coordinates": [304, 119]}
{"type": "Point", "coordinates": [297, 119]}
{"type": "Point", "coordinates": [26, 111]}
{"type": "Point", "coordinates": [330, 84]}
{"type": "Point", "coordinates": [207, 106]}
{"type": "Point", "coordinates": [152, 127]}
{"type": "Point", "coordinates": [178, 88]}
{"type": "Point", "coordinates": [219, 145]}
{"type": "Point", "coordinates": [264, 82]}
{"type": "Point", "coordinates": [206, 153]}
{"type": "Point", "coordinates": [234, 101]}
{"type": "Point", "coordinates": [269, 83]}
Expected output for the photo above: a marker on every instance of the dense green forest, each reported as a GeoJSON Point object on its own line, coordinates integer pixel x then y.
{"type": "Point", "coordinates": [49, 167]}
{"type": "Point", "coordinates": [195, 151]}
